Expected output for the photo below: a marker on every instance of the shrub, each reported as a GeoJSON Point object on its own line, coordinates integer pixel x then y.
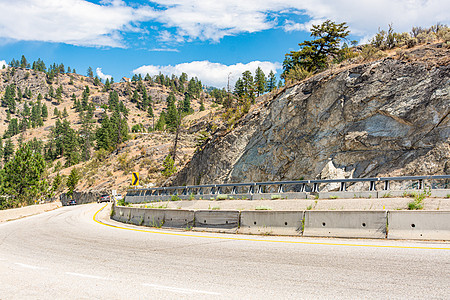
{"type": "Point", "coordinates": [417, 203]}
{"type": "Point", "coordinates": [221, 197]}
{"type": "Point", "coordinates": [175, 198]}
{"type": "Point", "coordinates": [262, 208]}
{"type": "Point", "coordinates": [169, 166]}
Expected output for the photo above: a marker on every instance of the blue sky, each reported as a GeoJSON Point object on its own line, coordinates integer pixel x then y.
{"type": "Point", "coordinates": [204, 38]}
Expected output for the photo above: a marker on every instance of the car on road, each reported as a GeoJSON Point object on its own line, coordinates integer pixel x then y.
{"type": "Point", "coordinates": [104, 198]}
{"type": "Point", "coordinates": [72, 202]}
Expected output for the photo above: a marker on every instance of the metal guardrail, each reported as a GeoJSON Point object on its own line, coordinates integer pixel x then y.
{"type": "Point", "coordinates": [304, 185]}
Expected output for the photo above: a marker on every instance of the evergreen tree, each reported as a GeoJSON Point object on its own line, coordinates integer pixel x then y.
{"type": "Point", "coordinates": [8, 150]}
{"type": "Point", "coordinates": [161, 123]}
{"type": "Point", "coordinates": [56, 113]}
{"type": "Point", "coordinates": [97, 81]}
{"type": "Point", "coordinates": [44, 112]}
{"type": "Point", "coordinates": [24, 63]}
{"type": "Point", "coordinates": [72, 181]}
{"type": "Point", "coordinates": [65, 114]}
{"type": "Point", "coordinates": [187, 104]}
{"type": "Point", "coordinates": [59, 91]}
{"type": "Point", "coordinates": [271, 82]}
{"type": "Point", "coordinates": [313, 55]}
{"type": "Point", "coordinates": [249, 88]}
{"type": "Point", "coordinates": [202, 105]}
{"type": "Point", "coordinates": [90, 73]}
{"type": "Point", "coordinates": [260, 81]}
{"type": "Point", "coordinates": [86, 134]}
{"type": "Point", "coordinates": [239, 88]}
{"type": "Point", "coordinates": [107, 85]}
{"type": "Point", "coordinates": [24, 176]}
{"type": "Point", "coordinates": [169, 166]}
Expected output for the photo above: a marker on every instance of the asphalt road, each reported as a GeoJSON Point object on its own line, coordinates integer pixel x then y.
{"type": "Point", "coordinates": [65, 254]}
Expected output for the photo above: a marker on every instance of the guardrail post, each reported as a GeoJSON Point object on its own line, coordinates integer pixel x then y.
{"type": "Point", "coordinates": [280, 188]}
{"type": "Point", "coordinates": [386, 185]}
{"type": "Point", "coordinates": [200, 191]}
{"type": "Point", "coordinates": [342, 188]}
{"type": "Point", "coordinates": [218, 190]}
{"type": "Point", "coordinates": [258, 189]}
{"type": "Point", "coordinates": [250, 189]}
{"type": "Point", "coordinates": [302, 188]}
{"type": "Point", "coordinates": [315, 187]}
{"type": "Point", "coordinates": [372, 186]}
{"type": "Point", "coordinates": [420, 184]}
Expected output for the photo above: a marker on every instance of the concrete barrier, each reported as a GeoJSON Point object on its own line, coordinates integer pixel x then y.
{"type": "Point", "coordinates": [422, 225]}
{"type": "Point", "coordinates": [271, 222]}
{"type": "Point", "coordinates": [122, 214]}
{"type": "Point", "coordinates": [153, 217]}
{"type": "Point", "coordinates": [280, 196]}
{"type": "Point", "coordinates": [137, 216]}
{"type": "Point", "coordinates": [351, 224]}
{"type": "Point", "coordinates": [177, 218]}
{"type": "Point", "coordinates": [348, 195]}
{"type": "Point", "coordinates": [217, 219]}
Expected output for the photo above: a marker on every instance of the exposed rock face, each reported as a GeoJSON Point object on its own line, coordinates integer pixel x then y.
{"type": "Point", "coordinates": [389, 117]}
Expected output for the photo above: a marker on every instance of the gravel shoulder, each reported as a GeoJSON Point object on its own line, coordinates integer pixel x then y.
{"type": "Point", "coordinates": [26, 211]}
{"type": "Point", "coordinates": [320, 204]}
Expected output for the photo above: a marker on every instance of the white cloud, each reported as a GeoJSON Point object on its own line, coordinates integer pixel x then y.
{"type": "Point", "coordinates": [3, 63]}
{"type": "Point", "coordinates": [101, 75]}
{"type": "Point", "coordinates": [212, 74]}
{"type": "Point", "coordinates": [212, 20]}
{"type": "Point", "coordinates": [75, 22]}
{"type": "Point", "coordinates": [164, 50]}
{"type": "Point", "coordinates": [80, 22]}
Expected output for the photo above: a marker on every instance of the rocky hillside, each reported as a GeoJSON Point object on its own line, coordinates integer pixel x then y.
{"type": "Point", "coordinates": [386, 117]}
{"type": "Point", "coordinates": [144, 152]}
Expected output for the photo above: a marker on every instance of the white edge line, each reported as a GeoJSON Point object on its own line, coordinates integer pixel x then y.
{"type": "Point", "coordinates": [29, 266]}
{"type": "Point", "coordinates": [86, 275]}
{"type": "Point", "coordinates": [178, 290]}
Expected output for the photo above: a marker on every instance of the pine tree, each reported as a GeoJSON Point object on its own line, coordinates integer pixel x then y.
{"type": "Point", "coordinates": [90, 73]}
{"type": "Point", "coordinates": [169, 166]}
{"type": "Point", "coordinates": [24, 176]}
{"type": "Point", "coordinates": [161, 123]}
{"type": "Point", "coordinates": [72, 181]}
{"type": "Point", "coordinates": [260, 81]}
{"type": "Point", "coordinates": [239, 88]}
{"type": "Point", "coordinates": [8, 150]}
{"type": "Point", "coordinates": [271, 82]}
{"type": "Point", "coordinates": [248, 85]}
{"type": "Point", "coordinates": [313, 55]}
{"type": "Point", "coordinates": [44, 112]}
{"type": "Point", "coordinates": [202, 105]}
{"type": "Point", "coordinates": [65, 114]}
{"type": "Point", "coordinates": [56, 112]}
{"type": "Point", "coordinates": [187, 104]}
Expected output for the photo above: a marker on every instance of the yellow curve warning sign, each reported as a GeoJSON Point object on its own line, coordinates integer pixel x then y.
{"type": "Point", "coordinates": [135, 179]}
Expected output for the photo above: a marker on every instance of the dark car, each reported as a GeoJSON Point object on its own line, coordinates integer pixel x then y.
{"type": "Point", "coordinates": [72, 202]}
{"type": "Point", "coordinates": [104, 198]}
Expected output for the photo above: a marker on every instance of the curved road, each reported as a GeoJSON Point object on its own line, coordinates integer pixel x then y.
{"type": "Point", "coordinates": [66, 254]}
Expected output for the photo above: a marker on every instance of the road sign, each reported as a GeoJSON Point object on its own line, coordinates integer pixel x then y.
{"type": "Point", "coordinates": [135, 179]}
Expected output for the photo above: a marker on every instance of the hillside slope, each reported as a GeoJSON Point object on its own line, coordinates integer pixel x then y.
{"type": "Point", "coordinates": [144, 152]}
{"type": "Point", "coordinates": [387, 117]}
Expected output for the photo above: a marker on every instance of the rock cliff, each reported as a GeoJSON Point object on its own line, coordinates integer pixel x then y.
{"type": "Point", "coordinates": [387, 117]}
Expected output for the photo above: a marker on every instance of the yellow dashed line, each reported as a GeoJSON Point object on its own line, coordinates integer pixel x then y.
{"type": "Point", "coordinates": [259, 240]}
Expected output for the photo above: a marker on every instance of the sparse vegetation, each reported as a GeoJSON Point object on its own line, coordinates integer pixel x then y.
{"type": "Point", "coordinates": [263, 208]}
{"type": "Point", "coordinates": [417, 203]}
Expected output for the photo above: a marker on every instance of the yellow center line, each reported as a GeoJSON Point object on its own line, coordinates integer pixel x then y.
{"type": "Point", "coordinates": [260, 240]}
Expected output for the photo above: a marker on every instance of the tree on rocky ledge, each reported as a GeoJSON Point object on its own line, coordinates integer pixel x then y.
{"type": "Point", "coordinates": [313, 55]}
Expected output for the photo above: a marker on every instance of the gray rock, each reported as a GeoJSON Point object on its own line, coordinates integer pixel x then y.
{"type": "Point", "coordinates": [385, 117]}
